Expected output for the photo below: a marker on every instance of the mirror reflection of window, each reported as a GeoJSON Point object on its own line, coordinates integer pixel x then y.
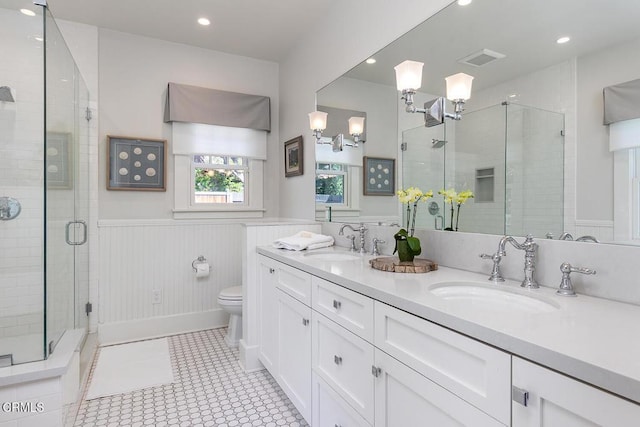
{"type": "Point", "coordinates": [331, 184]}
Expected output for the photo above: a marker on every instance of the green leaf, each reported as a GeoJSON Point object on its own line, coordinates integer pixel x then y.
{"type": "Point", "coordinates": [401, 233]}
{"type": "Point", "coordinates": [414, 245]}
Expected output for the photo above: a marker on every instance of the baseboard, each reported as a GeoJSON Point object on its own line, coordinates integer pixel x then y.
{"type": "Point", "coordinates": [249, 357]}
{"type": "Point", "coordinates": [153, 327]}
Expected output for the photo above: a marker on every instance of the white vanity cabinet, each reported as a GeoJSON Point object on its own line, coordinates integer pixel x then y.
{"type": "Point", "coordinates": [553, 399]}
{"type": "Point", "coordinates": [267, 315]}
{"type": "Point", "coordinates": [285, 329]}
{"type": "Point", "coordinates": [294, 351]}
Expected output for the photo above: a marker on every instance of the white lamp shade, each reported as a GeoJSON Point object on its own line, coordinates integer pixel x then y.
{"type": "Point", "coordinates": [356, 125]}
{"type": "Point", "coordinates": [409, 75]}
{"type": "Point", "coordinates": [318, 120]}
{"type": "Point", "coordinates": [459, 86]}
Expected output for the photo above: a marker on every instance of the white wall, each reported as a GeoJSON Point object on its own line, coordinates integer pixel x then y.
{"type": "Point", "coordinates": [134, 73]}
{"type": "Point", "coordinates": [347, 36]}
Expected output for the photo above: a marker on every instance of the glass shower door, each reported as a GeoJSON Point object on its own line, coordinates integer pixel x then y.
{"type": "Point", "coordinates": [66, 177]}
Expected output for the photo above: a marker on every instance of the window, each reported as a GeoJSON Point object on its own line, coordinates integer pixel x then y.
{"type": "Point", "coordinates": [218, 171]}
{"type": "Point", "coordinates": [331, 183]}
{"type": "Point", "coordinates": [219, 179]}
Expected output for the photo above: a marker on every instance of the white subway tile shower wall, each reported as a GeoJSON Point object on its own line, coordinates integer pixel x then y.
{"type": "Point", "coordinates": [21, 156]}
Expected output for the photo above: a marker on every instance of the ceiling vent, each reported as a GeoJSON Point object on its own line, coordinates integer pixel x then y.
{"type": "Point", "coordinates": [481, 57]}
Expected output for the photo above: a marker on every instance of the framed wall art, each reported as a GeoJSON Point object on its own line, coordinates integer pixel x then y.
{"type": "Point", "coordinates": [379, 176]}
{"type": "Point", "coordinates": [136, 164]}
{"type": "Point", "coordinates": [293, 160]}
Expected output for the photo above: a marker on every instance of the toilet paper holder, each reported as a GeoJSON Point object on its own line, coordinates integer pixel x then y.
{"type": "Point", "coordinates": [200, 260]}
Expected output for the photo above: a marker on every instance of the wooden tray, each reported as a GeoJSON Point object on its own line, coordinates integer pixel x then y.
{"type": "Point", "coordinates": [393, 264]}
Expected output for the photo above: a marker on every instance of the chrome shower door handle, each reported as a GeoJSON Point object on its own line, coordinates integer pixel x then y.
{"type": "Point", "coordinates": [67, 233]}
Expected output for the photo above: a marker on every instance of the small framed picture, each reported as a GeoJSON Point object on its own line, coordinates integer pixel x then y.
{"type": "Point", "coordinates": [293, 160]}
{"type": "Point", "coordinates": [136, 164]}
{"type": "Point", "coordinates": [379, 176]}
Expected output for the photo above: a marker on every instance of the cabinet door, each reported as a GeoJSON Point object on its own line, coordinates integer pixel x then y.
{"type": "Point", "coordinates": [294, 351]}
{"type": "Point", "coordinates": [405, 398]}
{"type": "Point", "coordinates": [557, 400]}
{"type": "Point", "coordinates": [267, 314]}
{"type": "Point", "coordinates": [344, 361]}
{"type": "Point", "coordinates": [330, 409]}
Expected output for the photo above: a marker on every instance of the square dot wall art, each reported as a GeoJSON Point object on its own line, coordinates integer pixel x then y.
{"type": "Point", "coordinates": [136, 164]}
{"type": "Point", "coordinates": [379, 176]}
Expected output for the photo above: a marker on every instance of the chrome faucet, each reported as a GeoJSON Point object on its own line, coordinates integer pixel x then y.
{"type": "Point", "coordinates": [496, 275]}
{"type": "Point", "coordinates": [530, 248]}
{"type": "Point", "coordinates": [361, 229]}
{"type": "Point", "coordinates": [566, 288]}
{"type": "Point", "coordinates": [587, 239]}
{"type": "Point", "coordinates": [374, 244]}
{"type": "Point", "coordinates": [565, 236]}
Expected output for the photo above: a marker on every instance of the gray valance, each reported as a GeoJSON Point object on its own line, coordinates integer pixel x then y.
{"type": "Point", "coordinates": [193, 104]}
{"type": "Point", "coordinates": [622, 102]}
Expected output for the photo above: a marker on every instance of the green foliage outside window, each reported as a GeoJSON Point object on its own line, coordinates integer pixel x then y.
{"type": "Point", "coordinates": [219, 180]}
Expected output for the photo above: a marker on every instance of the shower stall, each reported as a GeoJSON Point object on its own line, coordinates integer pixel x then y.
{"type": "Point", "coordinates": [511, 156]}
{"type": "Point", "coordinates": [44, 186]}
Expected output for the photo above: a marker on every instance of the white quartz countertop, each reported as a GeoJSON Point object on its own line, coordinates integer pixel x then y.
{"type": "Point", "coordinates": [592, 339]}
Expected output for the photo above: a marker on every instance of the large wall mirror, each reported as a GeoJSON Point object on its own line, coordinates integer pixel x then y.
{"type": "Point", "coordinates": [531, 143]}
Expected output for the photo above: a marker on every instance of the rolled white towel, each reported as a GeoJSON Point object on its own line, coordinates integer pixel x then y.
{"type": "Point", "coordinates": [304, 240]}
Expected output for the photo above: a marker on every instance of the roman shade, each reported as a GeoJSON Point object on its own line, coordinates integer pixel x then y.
{"type": "Point", "coordinates": [193, 104]}
{"type": "Point", "coordinates": [196, 138]}
{"type": "Point", "coordinates": [622, 102]}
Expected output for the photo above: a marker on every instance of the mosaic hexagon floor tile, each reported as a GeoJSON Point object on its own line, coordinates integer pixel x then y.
{"type": "Point", "coordinates": [211, 389]}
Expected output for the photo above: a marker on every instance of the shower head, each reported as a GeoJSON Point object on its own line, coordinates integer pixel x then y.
{"type": "Point", "coordinates": [5, 94]}
{"type": "Point", "coordinates": [437, 143]}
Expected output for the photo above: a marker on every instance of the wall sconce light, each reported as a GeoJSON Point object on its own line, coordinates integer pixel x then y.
{"type": "Point", "coordinates": [356, 127]}
{"type": "Point", "coordinates": [409, 80]}
{"type": "Point", "coordinates": [318, 123]}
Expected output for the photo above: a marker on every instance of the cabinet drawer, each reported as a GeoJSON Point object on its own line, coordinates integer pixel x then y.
{"type": "Point", "coordinates": [477, 373]}
{"type": "Point", "coordinates": [295, 282]}
{"type": "Point", "coordinates": [344, 361]}
{"type": "Point", "coordinates": [331, 410]}
{"type": "Point", "coordinates": [345, 307]}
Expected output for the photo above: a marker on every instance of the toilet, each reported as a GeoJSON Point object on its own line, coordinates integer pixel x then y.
{"type": "Point", "coordinates": [230, 299]}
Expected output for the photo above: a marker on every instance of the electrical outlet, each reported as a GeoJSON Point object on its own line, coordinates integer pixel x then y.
{"type": "Point", "coordinates": [156, 296]}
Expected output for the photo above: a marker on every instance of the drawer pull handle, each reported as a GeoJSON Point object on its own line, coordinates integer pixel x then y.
{"type": "Point", "coordinates": [375, 371]}
{"type": "Point", "coordinates": [305, 322]}
{"type": "Point", "coordinates": [271, 270]}
{"type": "Point", "coordinates": [337, 304]}
{"type": "Point", "coordinates": [519, 395]}
{"type": "Point", "coordinates": [337, 360]}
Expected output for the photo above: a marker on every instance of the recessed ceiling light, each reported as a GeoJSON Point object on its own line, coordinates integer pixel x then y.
{"type": "Point", "coordinates": [203, 21]}
{"type": "Point", "coordinates": [370, 61]}
{"type": "Point", "coordinates": [563, 40]}
{"type": "Point", "coordinates": [28, 12]}
{"type": "Point", "coordinates": [38, 38]}
{"type": "Point", "coordinates": [513, 95]}
{"type": "Point", "coordinates": [464, 2]}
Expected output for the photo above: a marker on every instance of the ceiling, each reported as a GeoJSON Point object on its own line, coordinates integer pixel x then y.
{"type": "Point", "coordinates": [263, 29]}
{"type": "Point", "coordinates": [525, 31]}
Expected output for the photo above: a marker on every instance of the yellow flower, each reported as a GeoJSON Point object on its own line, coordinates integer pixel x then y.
{"type": "Point", "coordinates": [449, 195]}
{"type": "Point", "coordinates": [463, 196]}
{"type": "Point", "coordinates": [413, 195]}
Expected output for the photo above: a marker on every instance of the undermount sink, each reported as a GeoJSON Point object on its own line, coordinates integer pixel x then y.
{"type": "Point", "coordinates": [333, 256]}
{"type": "Point", "coordinates": [480, 294]}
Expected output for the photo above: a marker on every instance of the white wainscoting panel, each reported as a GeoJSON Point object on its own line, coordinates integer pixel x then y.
{"type": "Point", "coordinates": [138, 258]}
